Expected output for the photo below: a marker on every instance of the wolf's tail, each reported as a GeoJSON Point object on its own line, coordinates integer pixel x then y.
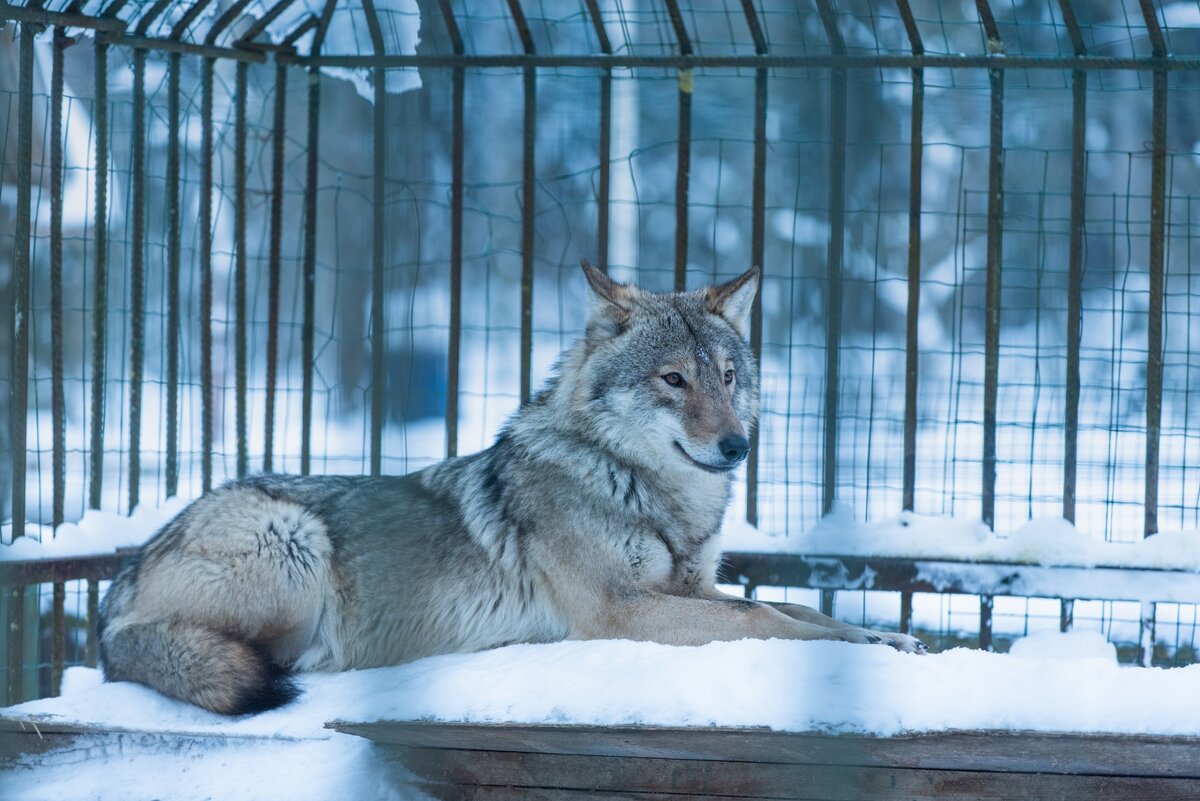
{"type": "Point", "coordinates": [205, 667]}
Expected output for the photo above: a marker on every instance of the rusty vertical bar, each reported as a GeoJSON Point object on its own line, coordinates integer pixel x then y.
{"type": "Point", "coordinates": [58, 397]}
{"type": "Point", "coordinates": [100, 278]}
{"type": "Point", "coordinates": [916, 156]}
{"type": "Point", "coordinates": [207, 67]}
{"type": "Point", "coordinates": [137, 279]}
{"type": "Point", "coordinates": [683, 166]}
{"type": "Point", "coordinates": [92, 642]}
{"type": "Point", "coordinates": [758, 216]}
{"type": "Point", "coordinates": [995, 233]}
{"type": "Point", "coordinates": [1074, 285]}
{"type": "Point", "coordinates": [57, 391]}
{"type": "Point", "coordinates": [1075, 265]}
{"type": "Point", "coordinates": [378, 329]}
{"type": "Point", "coordinates": [308, 344]}
{"type": "Point", "coordinates": [837, 224]}
{"type": "Point", "coordinates": [18, 398]}
{"type": "Point", "coordinates": [278, 142]}
{"type": "Point", "coordinates": [604, 190]}
{"type": "Point", "coordinates": [911, 338]}
{"type": "Point", "coordinates": [173, 243]}
{"type": "Point", "coordinates": [240, 347]}
{"type": "Point", "coordinates": [528, 199]}
{"type": "Point", "coordinates": [1154, 322]}
{"type": "Point", "coordinates": [454, 345]}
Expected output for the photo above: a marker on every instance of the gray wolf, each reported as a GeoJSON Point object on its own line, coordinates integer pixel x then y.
{"type": "Point", "coordinates": [595, 515]}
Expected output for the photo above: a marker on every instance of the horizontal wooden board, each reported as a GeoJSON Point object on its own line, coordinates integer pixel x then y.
{"type": "Point", "coordinates": [753, 780]}
{"type": "Point", "coordinates": [1027, 752]}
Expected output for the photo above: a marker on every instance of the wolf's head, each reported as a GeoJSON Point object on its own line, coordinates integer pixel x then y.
{"type": "Point", "coordinates": [667, 380]}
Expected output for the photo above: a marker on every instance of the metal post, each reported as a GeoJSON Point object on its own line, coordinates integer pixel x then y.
{"type": "Point", "coordinates": [240, 347]}
{"type": "Point", "coordinates": [995, 235]}
{"type": "Point", "coordinates": [18, 399]}
{"type": "Point", "coordinates": [911, 338]}
{"type": "Point", "coordinates": [308, 346]}
{"type": "Point", "coordinates": [100, 279]}
{"type": "Point", "coordinates": [454, 345]}
{"type": "Point", "coordinates": [1158, 197]}
{"type": "Point", "coordinates": [206, 278]}
{"type": "Point", "coordinates": [278, 142]}
{"type": "Point", "coordinates": [833, 302]}
{"type": "Point", "coordinates": [603, 191]}
{"type": "Point", "coordinates": [137, 279]}
{"type": "Point", "coordinates": [58, 397]}
{"type": "Point", "coordinates": [378, 374]}
{"type": "Point", "coordinates": [173, 244]}
{"type": "Point", "coordinates": [1074, 285]}
{"type": "Point", "coordinates": [683, 166]}
{"type": "Point", "coordinates": [758, 216]}
{"type": "Point", "coordinates": [528, 199]}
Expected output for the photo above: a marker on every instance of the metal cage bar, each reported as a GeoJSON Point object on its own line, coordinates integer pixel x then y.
{"type": "Point", "coordinates": [758, 215]}
{"type": "Point", "coordinates": [838, 85]}
{"type": "Point", "coordinates": [528, 197]}
{"type": "Point", "coordinates": [18, 399]}
{"type": "Point", "coordinates": [995, 240]}
{"type": "Point", "coordinates": [912, 313]}
{"type": "Point", "coordinates": [457, 149]}
{"type": "Point", "coordinates": [378, 329]}
{"type": "Point", "coordinates": [137, 279]}
{"type": "Point", "coordinates": [274, 256]}
{"type": "Point", "coordinates": [58, 397]}
{"type": "Point", "coordinates": [240, 344]}
{"type": "Point", "coordinates": [99, 279]}
{"type": "Point", "coordinates": [683, 166]}
{"type": "Point", "coordinates": [604, 149]}
{"type": "Point", "coordinates": [837, 223]}
{"type": "Point", "coordinates": [1079, 81]}
{"type": "Point", "coordinates": [173, 244]}
{"type": "Point", "coordinates": [208, 65]}
{"type": "Point", "coordinates": [1154, 321]}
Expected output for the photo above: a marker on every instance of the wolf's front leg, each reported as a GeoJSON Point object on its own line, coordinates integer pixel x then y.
{"type": "Point", "coordinates": [901, 642]}
{"type": "Point", "coordinates": [682, 620]}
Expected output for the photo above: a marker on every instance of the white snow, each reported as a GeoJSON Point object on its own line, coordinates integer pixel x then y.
{"type": "Point", "coordinates": [96, 533]}
{"type": "Point", "coordinates": [1056, 683]}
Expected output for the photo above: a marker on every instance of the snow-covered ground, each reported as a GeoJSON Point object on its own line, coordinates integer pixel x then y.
{"type": "Point", "coordinates": [1050, 683]}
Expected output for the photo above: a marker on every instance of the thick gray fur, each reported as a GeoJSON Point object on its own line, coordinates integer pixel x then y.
{"type": "Point", "coordinates": [594, 515]}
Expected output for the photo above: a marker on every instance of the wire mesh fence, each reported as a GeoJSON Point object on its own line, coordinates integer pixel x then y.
{"type": "Point", "coordinates": [333, 236]}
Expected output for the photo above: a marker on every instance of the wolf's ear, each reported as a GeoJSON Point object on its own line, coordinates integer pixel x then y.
{"type": "Point", "coordinates": [612, 303]}
{"type": "Point", "coordinates": [734, 299]}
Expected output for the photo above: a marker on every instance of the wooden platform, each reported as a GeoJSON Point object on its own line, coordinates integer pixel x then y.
{"type": "Point", "coordinates": [574, 763]}
{"type": "Point", "coordinates": [473, 761]}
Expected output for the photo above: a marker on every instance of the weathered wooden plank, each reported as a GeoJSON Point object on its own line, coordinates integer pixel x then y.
{"type": "Point", "coordinates": [833, 572]}
{"type": "Point", "coordinates": [469, 792]}
{"type": "Point", "coordinates": [751, 780]}
{"type": "Point", "coordinates": [1022, 752]}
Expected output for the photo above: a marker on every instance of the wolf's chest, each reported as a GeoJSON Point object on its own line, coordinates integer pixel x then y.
{"type": "Point", "coordinates": [659, 561]}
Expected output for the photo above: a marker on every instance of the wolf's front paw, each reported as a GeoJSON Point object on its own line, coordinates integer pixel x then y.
{"type": "Point", "coordinates": [901, 642]}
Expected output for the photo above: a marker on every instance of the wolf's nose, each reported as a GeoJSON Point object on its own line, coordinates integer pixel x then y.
{"type": "Point", "coordinates": [734, 448]}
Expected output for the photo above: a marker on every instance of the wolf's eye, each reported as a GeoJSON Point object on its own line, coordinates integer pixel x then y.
{"type": "Point", "coordinates": [674, 379]}
{"type": "Point", "coordinates": [728, 376]}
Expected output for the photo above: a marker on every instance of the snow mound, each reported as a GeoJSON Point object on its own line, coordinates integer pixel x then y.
{"type": "Point", "coordinates": [1061, 646]}
{"type": "Point", "coordinates": [1053, 684]}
